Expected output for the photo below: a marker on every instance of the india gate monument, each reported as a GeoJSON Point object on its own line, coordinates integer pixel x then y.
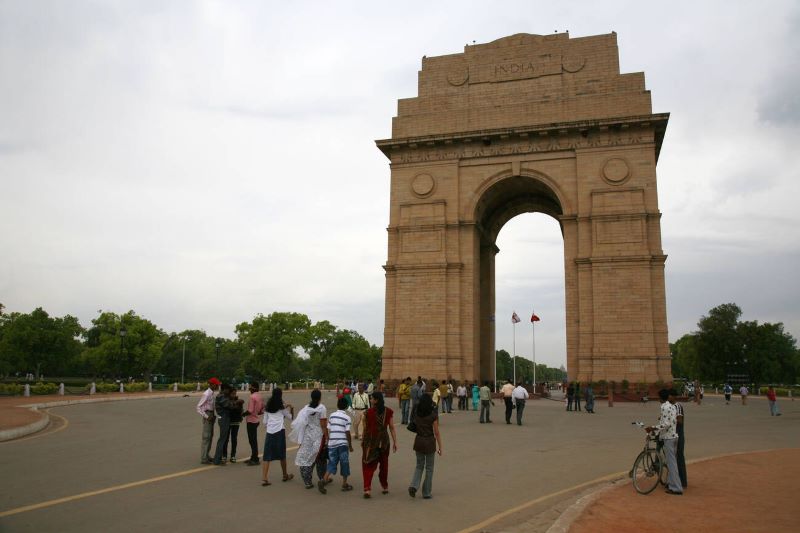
{"type": "Point", "coordinates": [526, 123]}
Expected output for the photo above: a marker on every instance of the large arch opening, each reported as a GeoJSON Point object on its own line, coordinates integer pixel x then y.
{"type": "Point", "coordinates": [501, 202]}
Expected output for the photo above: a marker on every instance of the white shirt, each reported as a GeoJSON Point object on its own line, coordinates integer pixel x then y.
{"type": "Point", "coordinates": [461, 391]}
{"type": "Point", "coordinates": [361, 400]}
{"type": "Point", "coordinates": [274, 421]}
{"type": "Point", "coordinates": [206, 403]}
{"type": "Point", "coordinates": [519, 393]}
{"type": "Point", "coordinates": [666, 422]}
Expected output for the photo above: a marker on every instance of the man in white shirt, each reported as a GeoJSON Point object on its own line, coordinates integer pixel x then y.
{"type": "Point", "coordinates": [461, 392]}
{"type": "Point", "coordinates": [507, 391]}
{"type": "Point", "coordinates": [205, 407]}
{"type": "Point", "coordinates": [360, 405]}
{"type": "Point", "coordinates": [519, 394]}
{"type": "Point", "coordinates": [668, 433]}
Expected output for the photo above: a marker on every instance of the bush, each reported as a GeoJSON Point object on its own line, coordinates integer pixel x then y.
{"type": "Point", "coordinates": [11, 389]}
{"type": "Point", "coordinates": [135, 387]}
{"type": "Point", "coordinates": [107, 387]}
{"type": "Point", "coordinates": [187, 387]}
{"type": "Point", "coordinates": [44, 388]}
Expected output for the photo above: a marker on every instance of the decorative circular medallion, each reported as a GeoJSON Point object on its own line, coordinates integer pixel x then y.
{"type": "Point", "coordinates": [572, 64]}
{"type": "Point", "coordinates": [616, 171]}
{"type": "Point", "coordinates": [458, 78]}
{"type": "Point", "coordinates": [422, 185]}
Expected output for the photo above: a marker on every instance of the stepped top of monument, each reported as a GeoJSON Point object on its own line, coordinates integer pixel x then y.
{"type": "Point", "coordinates": [519, 81]}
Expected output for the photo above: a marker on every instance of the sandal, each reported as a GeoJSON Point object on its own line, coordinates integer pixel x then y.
{"type": "Point", "coordinates": [385, 491]}
{"type": "Point", "coordinates": [346, 487]}
{"type": "Point", "coordinates": [265, 483]}
{"type": "Point", "coordinates": [288, 477]}
{"type": "Point", "coordinates": [367, 495]}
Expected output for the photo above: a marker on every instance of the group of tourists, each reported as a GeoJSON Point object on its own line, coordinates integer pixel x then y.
{"type": "Point", "coordinates": [325, 441]}
{"type": "Point", "coordinates": [574, 395]}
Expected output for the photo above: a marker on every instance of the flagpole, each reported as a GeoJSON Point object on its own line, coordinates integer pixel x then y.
{"type": "Point", "coordinates": [533, 335]}
{"type": "Point", "coordinates": [514, 325]}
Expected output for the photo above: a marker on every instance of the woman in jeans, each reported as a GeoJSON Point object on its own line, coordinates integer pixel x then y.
{"type": "Point", "coordinates": [426, 445]}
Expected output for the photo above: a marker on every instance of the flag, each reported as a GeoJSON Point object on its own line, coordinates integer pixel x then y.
{"type": "Point", "coordinates": [534, 318]}
{"type": "Point", "coordinates": [514, 318]}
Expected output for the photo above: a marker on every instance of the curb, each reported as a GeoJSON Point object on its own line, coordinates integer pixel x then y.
{"type": "Point", "coordinates": [22, 431]}
{"type": "Point", "coordinates": [44, 421]}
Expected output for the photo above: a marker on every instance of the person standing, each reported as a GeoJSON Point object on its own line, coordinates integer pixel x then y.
{"type": "Point", "coordinates": [486, 402]}
{"type": "Point", "coordinates": [668, 434]}
{"type": "Point", "coordinates": [589, 396]}
{"type": "Point", "coordinates": [508, 390]}
{"type": "Point", "coordinates": [375, 444]}
{"type": "Point", "coordinates": [223, 404]}
{"type": "Point", "coordinates": [237, 415]}
{"type": "Point", "coordinates": [450, 393]}
{"type": "Point", "coordinates": [360, 405]}
{"type": "Point", "coordinates": [339, 447]}
{"type": "Point", "coordinates": [309, 430]}
{"type": "Point", "coordinates": [773, 402]}
{"type": "Point", "coordinates": [275, 441]}
{"type": "Point", "coordinates": [577, 390]}
{"type": "Point", "coordinates": [570, 396]}
{"type": "Point", "coordinates": [461, 392]}
{"type": "Point", "coordinates": [348, 395]}
{"type": "Point", "coordinates": [255, 408]}
{"type": "Point", "coordinates": [205, 408]}
{"type": "Point", "coordinates": [404, 397]}
{"type": "Point", "coordinates": [416, 393]}
{"type": "Point", "coordinates": [437, 393]}
{"type": "Point", "coordinates": [519, 394]}
{"type": "Point", "coordinates": [476, 396]}
{"type": "Point", "coordinates": [680, 457]}
{"type": "Point", "coordinates": [427, 444]}
{"type": "Point", "coordinates": [744, 392]}
{"type": "Point", "coordinates": [370, 388]}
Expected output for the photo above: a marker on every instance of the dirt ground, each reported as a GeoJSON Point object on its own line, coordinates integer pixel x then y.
{"type": "Point", "coordinates": [739, 493]}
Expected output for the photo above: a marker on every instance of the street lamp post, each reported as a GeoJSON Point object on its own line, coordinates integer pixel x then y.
{"type": "Point", "coordinates": [217, 344]}
{"type": "Point", "coordinates": [183, 359]}
{"type": "Point", "coordinates": [122, 333]}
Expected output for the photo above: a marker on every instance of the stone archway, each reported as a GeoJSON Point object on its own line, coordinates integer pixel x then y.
{"type": "Point", "coordinates": [525, 123]}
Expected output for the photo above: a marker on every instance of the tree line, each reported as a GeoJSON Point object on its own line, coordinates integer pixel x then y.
{"type": "Point", "coordinates": [281, 346]}
{"type": "Point", "coordinates": [726, 348]}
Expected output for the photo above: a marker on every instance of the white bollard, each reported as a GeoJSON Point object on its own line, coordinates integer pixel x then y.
{"type": "Point", "coordinates": [27, 390]}
{"type": "Point", "coordinates": [61, 389]}
{"type": "Point", "coordinates": [93, 388]}
{"type": "Point", "coordinates": [263, 385]}
{"type": "Point", "coordinates": [121, 387]}
{"type": "Point", "coordinates": [150, 387]}
{"type": "Point", "coordinates": [175, 387]}
{"type": "Point", "coordinates": [198, 386]}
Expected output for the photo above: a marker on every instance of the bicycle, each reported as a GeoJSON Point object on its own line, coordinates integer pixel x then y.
{"type": "Point", "coordinates": [650, 467]}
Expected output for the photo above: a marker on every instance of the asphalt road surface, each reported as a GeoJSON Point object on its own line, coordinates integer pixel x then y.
{"type": "Point", "coordinates": [134, 466]}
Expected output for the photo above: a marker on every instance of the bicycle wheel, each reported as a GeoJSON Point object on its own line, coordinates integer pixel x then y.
{"type": "Point", "coordinates": [646, 473]}
{"type": "Point", "coordinates": [663, 478]}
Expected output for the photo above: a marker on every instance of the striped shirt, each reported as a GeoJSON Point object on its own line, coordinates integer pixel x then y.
{"type": "Point", "coordinates": [338, 427]}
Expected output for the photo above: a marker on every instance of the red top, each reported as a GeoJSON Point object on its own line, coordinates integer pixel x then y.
{"type": "Point", "coordinates": [771, 395]}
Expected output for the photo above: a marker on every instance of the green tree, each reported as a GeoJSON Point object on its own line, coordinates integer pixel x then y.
{"type": "Point", "coordinates": [36, 342]}
{"type": "Point", "coordinates": [123, 345]}
{"type": "Point", "coordinates": [504, 365]}
{"type": "Point", "coordinates": [273, 341]}
{"type": "Point", "coordinates": [767, 352]}
{"type": "Point", "coordinates": [684, 357]}
{"type": "Point", "coordinates": [719, 347]}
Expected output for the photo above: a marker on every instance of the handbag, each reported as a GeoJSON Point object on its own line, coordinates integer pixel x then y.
{"type": "Point", "coordinates": [412, 426]}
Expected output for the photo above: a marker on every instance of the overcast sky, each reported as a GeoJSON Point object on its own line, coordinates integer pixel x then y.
{"type": "Point", "coordinates": [202, 162]}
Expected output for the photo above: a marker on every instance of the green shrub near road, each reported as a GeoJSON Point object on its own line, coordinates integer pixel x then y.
{"type": "Point", "coordinates": [44, 388]}
{"type": "Point", "coordinates": [11, 389]}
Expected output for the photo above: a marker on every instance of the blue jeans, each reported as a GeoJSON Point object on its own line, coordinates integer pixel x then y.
{"type": "Point", "coordinates": [339, 455]}
{"type": "Point", "coordinates": [404, 408]}
{"type": "Point", "coordinates": [485, 406]}
{"type": "Point", "coordinates": [773, 408]}
{"type": "Point", "coordinates": [424, 462]}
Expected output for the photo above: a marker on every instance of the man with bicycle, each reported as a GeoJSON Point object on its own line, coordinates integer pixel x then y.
{"type": "Point", "coordinates": [668, 434]}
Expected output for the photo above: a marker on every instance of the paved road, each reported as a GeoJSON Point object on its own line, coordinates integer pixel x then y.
{"type": "Point", "coordinates": [486, 468]}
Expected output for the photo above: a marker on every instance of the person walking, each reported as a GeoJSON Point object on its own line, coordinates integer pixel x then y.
{"type": "Point", "coordinates": [340, 446]}
{"type": "Point", "coordinates": [309, 430]}
{"type": "Point", "coordinates": [519, 394]}
{"type": "Point", "coordinates": [437, 394]}
{"type": "Point", "coordinates": [476, 396]}
{"type": "Point", "coordinates": [773, 402]}
{"type": "Point", "coordinates": [743, 391]}
{"type": "Point", "coordinates": [486, 403]}
{"type": "Point", "coordinates": [404, 397]}
{"type": "Point", "coordinates": [427, 444]}
{"type": "Point", "coordinates": [668, 434]}
{"type": "Point", "coordinates": [680, 456]}
{"type": "Point", "coordinates": [461, 393]}
{"type": "Point", "coordinates": [450, 393]}
{"type": "Point", "coordinates": [205, 408]}
{"type": "Point", "coordinates": [728, 390]}
{"type": "Point", "coordinates": [375, 444]}
{"type": "Point", "coordinates": [255, 408]}
{"type": "Point", "coordinates": [508, 390]}
{"type": "Point", "coordinates": [275, 441]}
{"type": "Point", "coordinates": [360, 405]}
